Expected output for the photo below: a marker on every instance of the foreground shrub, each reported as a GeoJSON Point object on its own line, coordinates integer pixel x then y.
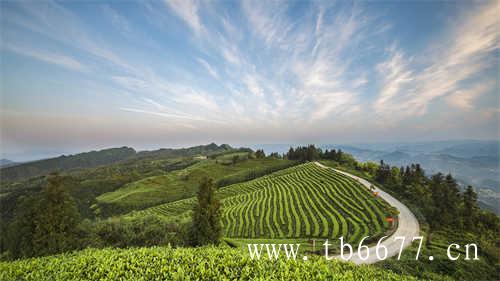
{"type": "Point", "coordinates": [165, 263]}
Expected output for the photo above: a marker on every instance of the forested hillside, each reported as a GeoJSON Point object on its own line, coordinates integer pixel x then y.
{"type": "Point", "coordinates": [85, 184]}
{"type": "Point", "coordinates": [62, 163]}
{"type": "Point", "coordinates": [252, 197]}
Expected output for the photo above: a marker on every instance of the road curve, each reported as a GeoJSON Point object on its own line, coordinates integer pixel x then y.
{"type": "Point", "coordinates": [408, 226]}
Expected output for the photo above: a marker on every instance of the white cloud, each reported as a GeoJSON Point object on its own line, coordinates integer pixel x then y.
{"type": "Point", "coordinates": [340, 102]}
{"type": "Point", "coordinates": [457, 58]}
{"type": "Point", "coordinates": [464, 98]}
{"type": "Point", "coordinates": [253, 85]}
{"type": "Point", "coordinates": [267, 21]}
{"type": "Point", "coordinates": [187, 10]}
{"type": "Point", "coordinates": [52, 20]}
{"type": "Point", "coordinates": [52, 58]}
{"type": "Point", "coordinates": [209, 68]}
{"type": "Point", "coordinates": [170, 115]}
{"type": "Point", "coordinates": [396, 74]}
{"type": "Point", "coordinates": [198, 99]}
{"type": "Point", "coordinates": [230, 55]}
{"type": "Point", "coordinates": [272, 67]}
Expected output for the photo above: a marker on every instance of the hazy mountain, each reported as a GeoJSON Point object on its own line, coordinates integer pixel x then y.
{"type": "Point", "coordinates": [7, 163]}
{"type": "Point", "coordinates": [473, 149]}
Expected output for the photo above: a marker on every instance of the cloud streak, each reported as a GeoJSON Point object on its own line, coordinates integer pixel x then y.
{"type": "Point", "coordinates": [254, 68]}
{"type": "Point", "coordinates": [51, 58]}
{"type": "Point", "coordinates": [466, 52]}
{"type": "Point", "coordinates": [187, 10]}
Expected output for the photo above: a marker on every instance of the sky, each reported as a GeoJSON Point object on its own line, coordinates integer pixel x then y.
{"type": "Point", "coordinates": [77, 76]}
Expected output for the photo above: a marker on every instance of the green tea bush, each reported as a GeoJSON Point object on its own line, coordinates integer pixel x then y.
{"type": "Point", "coordinates": [165, 263]}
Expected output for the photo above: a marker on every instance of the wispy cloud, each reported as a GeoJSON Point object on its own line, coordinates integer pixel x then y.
{"type": "Point", "coordinates": [396, 74]}
{"type": "Point", "coordinates": [49, 57]}
{"type": "Point", "coordinates": [119, 21]}
{"type": "Point", "coordinates": [267, 20]}
{"type": "Point", "coordinates": [209, 68]}
{"type": "Point", "coordinates": [50, 19]}
{"type": "Point", "coordinates": [408, 88]}
{"type": "Point", "coordinates": [254, 67]}
{"type": "Point", "coordinates": [464, 98]}
{"type": "Point", "coordinates": [174, 116]}
{"type": "Point", "coordinates": [187, 10]}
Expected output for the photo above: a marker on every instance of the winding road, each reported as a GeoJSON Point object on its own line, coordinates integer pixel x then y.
{"type": "Point", "coordinates": [408, 226]}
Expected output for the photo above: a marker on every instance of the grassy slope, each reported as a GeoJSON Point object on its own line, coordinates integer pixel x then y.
{"type": "Point", "coordinates": [207, 263]}
{"type": "Point", "coordinates": [301, 201]}
{"type": "Point", "coordinates": [182, 183]}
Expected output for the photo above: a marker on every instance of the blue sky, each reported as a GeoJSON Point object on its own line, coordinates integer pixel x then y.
{"type": "Point", "coordinates": [78, 76]}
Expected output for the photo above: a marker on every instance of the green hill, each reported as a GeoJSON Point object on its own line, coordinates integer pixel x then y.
{"type": "Point", "coordinates": [93, 173]}
{"type": "Point", "coordinates": [207, 263]}
{"type": "Point", "coordinates": [61, 163]}
{"type": "Point", "coordinates": [301, 201]}
{"type": "Point", "coordinates": [104, 157]}
{"type": "Point", "coordinates": [183, 183]}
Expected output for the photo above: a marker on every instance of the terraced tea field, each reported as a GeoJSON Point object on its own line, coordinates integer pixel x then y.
{"type": "Point", "coordinates": [302, 201]}
{"type": "Point", "coordinates": [183, 183]}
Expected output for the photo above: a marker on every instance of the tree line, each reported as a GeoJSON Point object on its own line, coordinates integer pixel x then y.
{"type": "Point", "coordinates": [49, 222]}
{"type": "Point", "coordinates": [313, 153]}
{"type": "Point", "coordinates": [439, 197]}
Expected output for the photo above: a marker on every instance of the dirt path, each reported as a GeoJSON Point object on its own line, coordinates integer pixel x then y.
{"type": "Point", "coordinates": [408, 226]}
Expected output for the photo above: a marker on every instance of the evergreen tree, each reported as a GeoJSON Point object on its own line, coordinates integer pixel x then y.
{"type": "Point", "coordinates": [20, 231]}
{"type": "Point", "coordinates": [383, 173]}
{"type": "Point", "coordinates": [260, 154]}
{"type": "Point", "coordinates": [56, 219]}
{"type": "Point", "coordinates": [46, 223]}
{"type": "Point", "coordinates": [470, 208]}
{"type": "Point", "coordinates": [434, 209]}
{"type": "Point", "coordinates": [206, 228]}
{"type": "Point", "coordinates": [451, 201]}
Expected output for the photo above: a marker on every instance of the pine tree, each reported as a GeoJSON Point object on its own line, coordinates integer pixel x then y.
{"type": "Point", "coordinates": [56, 219]}
{"type": "Point", "coordinates": [451, 201]}
{"type": "Point", "coordinates": [46, 223]}
{"type": "Point", "coordinates": [20, 231]}
{"type": "Point", "coordinates": [206, 228]}
{"type": "Point", "coordinates": [470, 208]}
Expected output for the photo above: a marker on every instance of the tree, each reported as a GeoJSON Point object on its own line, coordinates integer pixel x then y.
{"type": "Point", "coordinates": [206, 227]}
{"type": "Point", "coordinates": [19, 238]}
{"type": "Point", "coordinates": [445, 201]}
{"type": "Point", "coordinates": [235, 159]}
{"type": "Point", "coordinates": [46, 223]}
{"type": "Point", "coordinates": [383, 174]}
{"type": "Point", "coordinates": [470, 208]}
{"type": "Point", "coordinates": [450, 201]}
{"type": "Point", "coordinates": [57, 219]}
{"type": "Point", "coordinates": [260, 154]}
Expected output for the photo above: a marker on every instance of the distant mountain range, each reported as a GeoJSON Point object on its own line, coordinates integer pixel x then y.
{"type": "Point", "coordinates": [15, 172]}
{"type": "Point", "coordinates": [7, 163]}
{"type": "Point", "coordinates": [471, 162]}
